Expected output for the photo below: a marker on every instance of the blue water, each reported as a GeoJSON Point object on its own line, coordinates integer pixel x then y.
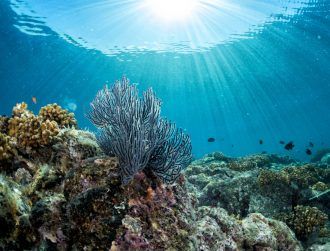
{"type": "Point", "coordinates": [238, 72]}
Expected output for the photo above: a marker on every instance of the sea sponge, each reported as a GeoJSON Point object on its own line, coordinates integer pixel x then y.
{"type": "Point", "coordinates": [305, 221]}
{"type": "Point", "coordinates": [54, 112]}
{"type": "Point", "coordinates": [7, 147]}
{"type": "Point", "coordinates": [29, 130]}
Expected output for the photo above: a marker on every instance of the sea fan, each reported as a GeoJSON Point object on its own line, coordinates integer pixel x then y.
{"type": "Point", "coordinates": [131, 129]}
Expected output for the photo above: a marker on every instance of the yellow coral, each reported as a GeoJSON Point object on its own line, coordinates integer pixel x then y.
{"type": "Point", "coordinates": [29, 130]}
{"type": "Point", "coordinates": [320, 186]}
{"type": "Point", "coordinates": [305, 220]}
{"type": "Point", "coordinates": [249, 163]}
{"type": "Point", "coordinates": [7, 147]}
{"type": "Point", "coordinates": [3, 124]}
{"type": "Point", "coordinates": [32, 132]}
{"type": "Point", "coordinates": [20, 110]}
{"type": "Point", "coordinates": [304, 176]}
{"type": "Point", "coordinates": [273, 178]}
{"type": "Point", "coordinates": [54, 112]}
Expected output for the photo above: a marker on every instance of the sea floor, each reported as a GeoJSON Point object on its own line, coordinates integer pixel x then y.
{"type": "Point", "coordinates": [58, 191]}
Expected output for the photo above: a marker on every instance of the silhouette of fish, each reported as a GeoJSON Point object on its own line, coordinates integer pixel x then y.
{"type": "Point", "coordinates": [34, 100]}
{"type": "Point", "coordinates": [311, 144]}
{"type": "Point", "coordinates": [282, 142]}
{"type": "Point", "coordinates": [308, 152]}
{"type": "Point", "coordinates": [261, 141]}
{"type": "Point", "coordinates": [210, 140]}
{"type": "Point", "coordinates": [289, 146]}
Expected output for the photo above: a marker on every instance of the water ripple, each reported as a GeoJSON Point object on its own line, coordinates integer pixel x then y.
{"type": "Point", "coordinates": [114, 27]}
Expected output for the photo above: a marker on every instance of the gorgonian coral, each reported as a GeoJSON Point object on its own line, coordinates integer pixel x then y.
{"type": "Point", "coordinates": [132, 129]}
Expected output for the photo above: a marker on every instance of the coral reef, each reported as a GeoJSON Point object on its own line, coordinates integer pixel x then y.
{"type": "Point", "coordinates": [261, 232]}
{"type": "Point", "coordinates": [7, 147]}
{"type": "Point", "coordinates": [305, 221]}
{"type": "Point", "coordinates": [54, 112]}
{"type": "Point", "coordinates": [320, 186]}
{"type": "Point", "coordinates": [29, 130]}
{"type": "Point", "coordinates": [156, 210]}
{"type": "Point", "coordinates": [272, 186]}
{"type": "Point", "coordinates": [29, 133]}
{"type": "Point", "coordinates": [75, 201]}
{"type": "Point", "coordinates": [268, 178]}
{"type": "Point", "coordinates": [3, 124]}
{"type": "Point", "coordinates": [67, 195]}
{"type": "Point", "coordinates": [132, 130]}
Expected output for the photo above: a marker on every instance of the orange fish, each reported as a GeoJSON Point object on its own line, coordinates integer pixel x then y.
{"type": "Point", "coordinates": [34, 100]}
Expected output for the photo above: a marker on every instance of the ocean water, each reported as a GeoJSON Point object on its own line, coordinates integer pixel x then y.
{"type": "Point", "coordinates": [236, 71]}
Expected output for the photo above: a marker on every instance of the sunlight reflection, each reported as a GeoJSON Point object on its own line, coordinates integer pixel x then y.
{"type": "Point", "coordinates": [184, 26]}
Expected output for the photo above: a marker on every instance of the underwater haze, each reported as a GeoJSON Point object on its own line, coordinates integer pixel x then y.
{"type": "Point", "coordinates": [238, 76]}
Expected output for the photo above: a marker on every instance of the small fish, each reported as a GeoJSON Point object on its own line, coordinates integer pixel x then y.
{"type": "Point", "coordinates": [261, 141]}
{"type": "Point", "coordinates": [289, 146]}
{"type": "Point", "coordinates": [311, 144]}
{"type": "Point", "coordinates": [282, 142]}
{"type": "Point", "coordinates": [34, 100]}
{"type": "Point", "coordinates": [308, 152]}
{"type": "Point", "coordinates": [210, 140]}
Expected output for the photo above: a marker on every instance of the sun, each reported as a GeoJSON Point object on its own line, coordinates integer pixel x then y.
{"type": "Point", "coordinates": [172, 10]}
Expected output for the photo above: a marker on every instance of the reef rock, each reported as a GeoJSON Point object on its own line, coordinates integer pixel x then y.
{"type": "Point", "coordinates": [67, 195]}
{"type": "Point", "coordinates": [261, 233]}
{"type": "Point", "coordinates": [265, 184]}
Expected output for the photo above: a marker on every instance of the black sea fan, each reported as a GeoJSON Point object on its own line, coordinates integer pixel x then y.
{"type": "Point", "coordinates": [131, 129]}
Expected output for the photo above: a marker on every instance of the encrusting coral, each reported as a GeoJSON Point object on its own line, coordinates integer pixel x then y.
{"type": "Point", "coordinates": [54, 112]}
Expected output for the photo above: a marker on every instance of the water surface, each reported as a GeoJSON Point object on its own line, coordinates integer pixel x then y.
{"type": "Point", "coordinates": [236, 71]}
